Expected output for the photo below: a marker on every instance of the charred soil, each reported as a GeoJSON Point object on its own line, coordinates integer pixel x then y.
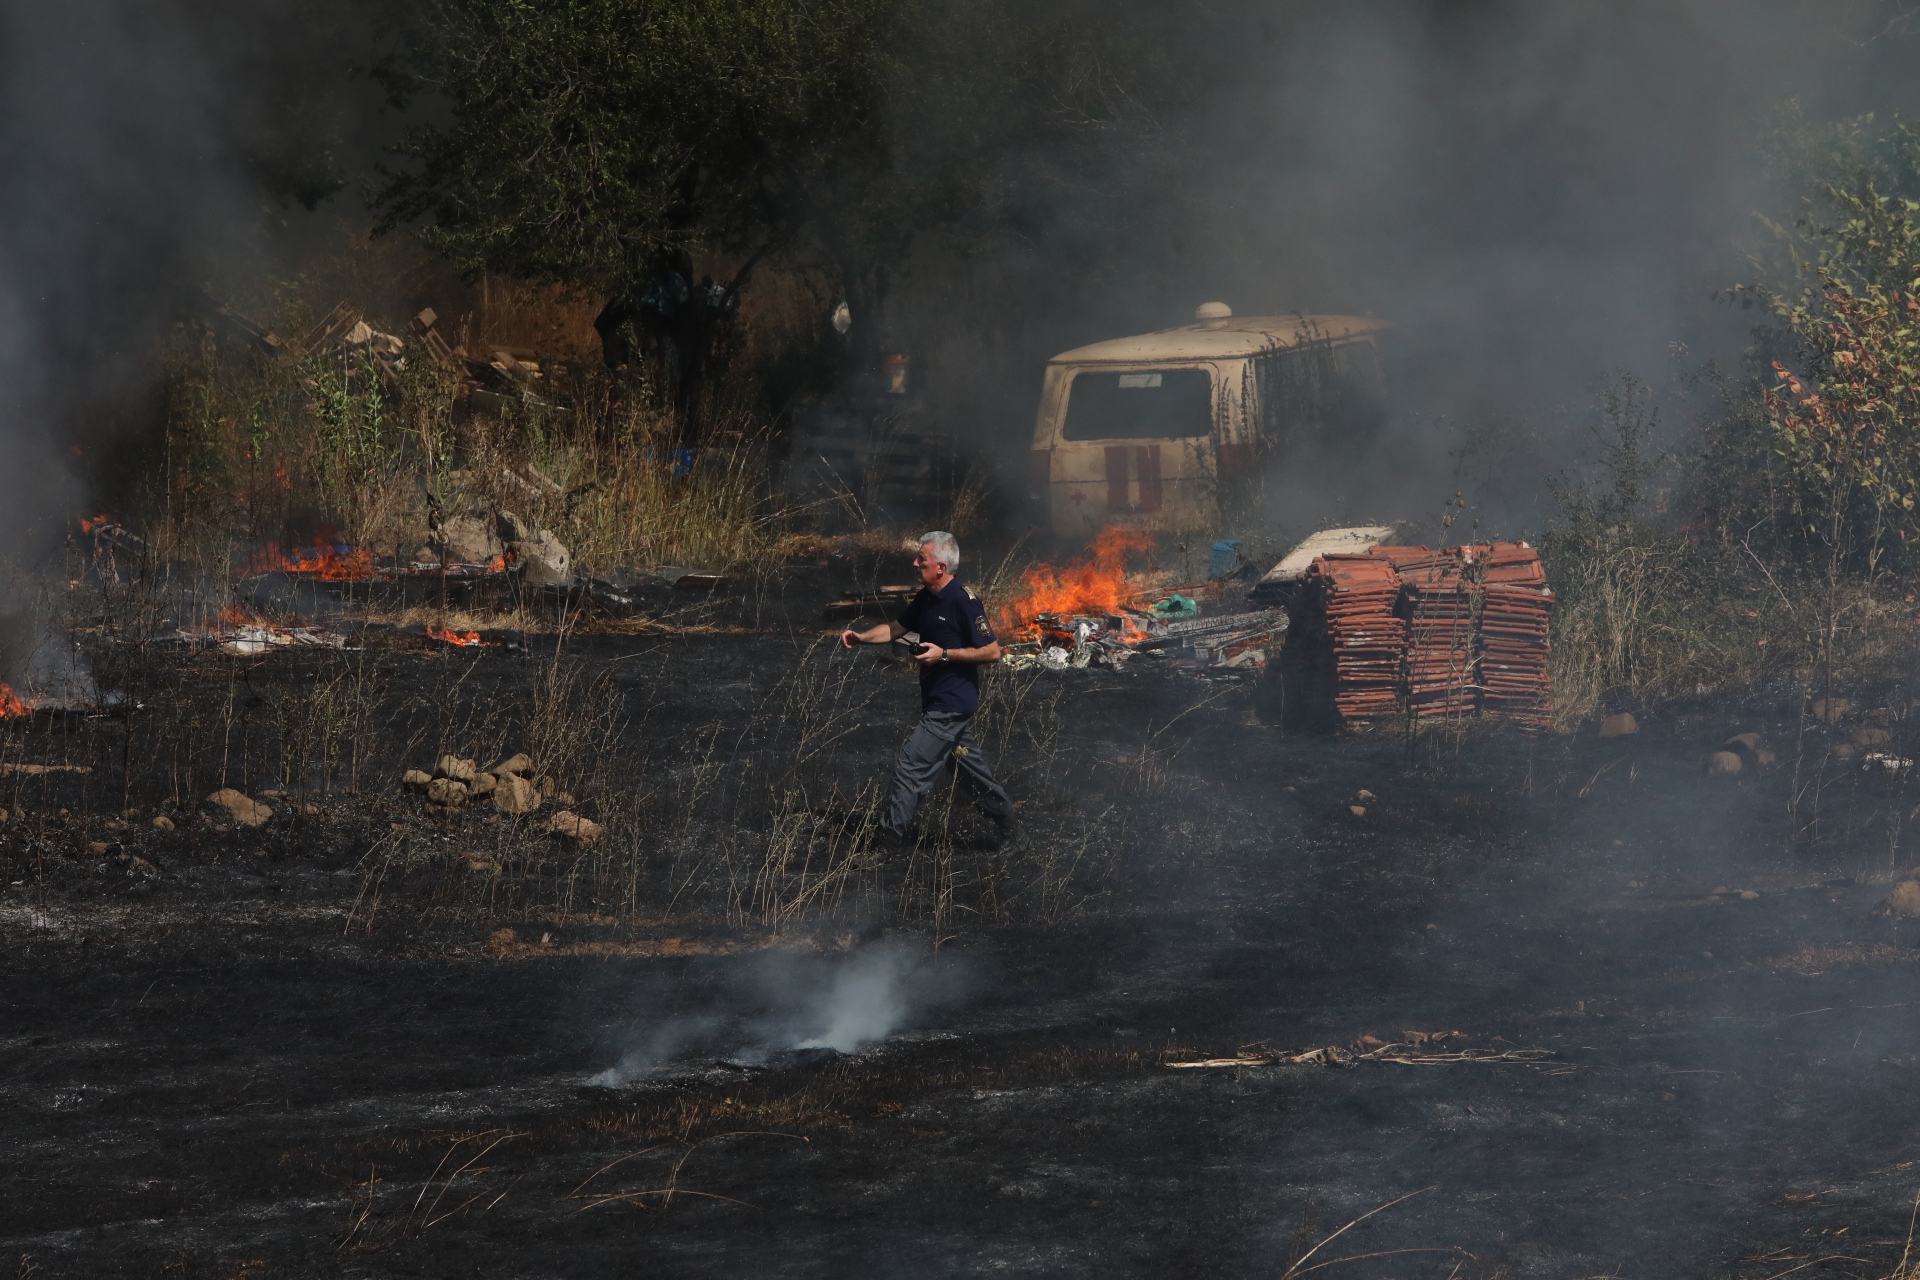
{"type": "Point", "coordinates": [288, 1050]}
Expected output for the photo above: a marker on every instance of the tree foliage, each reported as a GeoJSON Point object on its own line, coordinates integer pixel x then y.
{"type": "Point", "coordinates": [596, 142]}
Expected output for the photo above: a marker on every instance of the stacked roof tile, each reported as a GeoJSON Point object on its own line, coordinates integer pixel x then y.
{"type": "Point", "coordinates": [1358, 595]}
{"type": "Point", "coordinates": [1433, 632]}
{"type": "Point", "coordinates": [1515, 606]}
{"type": "Point", "coordinates": [1438, 599]}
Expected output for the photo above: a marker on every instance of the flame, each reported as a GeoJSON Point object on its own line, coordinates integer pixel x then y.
{"type": "Point", "coordinates": [97, 522]}
{"type": "Point", "coordinates": [455, 637]}
{"type": "Point", "coordinates": [11, 704]}
{"type": "Point", "coordinates": [321, 560]}
{"type": "Point", "coordinates": [1094, 583]}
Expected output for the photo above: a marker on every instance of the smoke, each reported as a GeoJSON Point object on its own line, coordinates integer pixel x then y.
{"type": "Point", "coordinates": [151, 149]}
{"type": "Point", "coordinates": [1534, 195]}
{"type": "Point", "coordinates": [782, 1002]}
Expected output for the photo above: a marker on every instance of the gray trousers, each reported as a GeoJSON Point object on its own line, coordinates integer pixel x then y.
{"type": "Point", "coordinates": [942, 738]}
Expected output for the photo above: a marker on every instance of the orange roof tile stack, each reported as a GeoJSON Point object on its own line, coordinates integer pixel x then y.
{"type": "Point", "coordinates": [1357, 595]}
{"type": "Point", "coordinates": [1439, 603]}
{"type": "Point", "coordinates": [1445, 632]}
{"type": "Point", "coordinates": [1516, 605]}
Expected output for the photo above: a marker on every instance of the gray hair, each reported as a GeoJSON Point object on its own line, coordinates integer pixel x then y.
{"type": "Point", "coordinates": [945, 549]}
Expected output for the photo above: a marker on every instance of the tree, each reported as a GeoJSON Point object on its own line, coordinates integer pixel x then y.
{"type": "Point", "coordinates": [605, 143]}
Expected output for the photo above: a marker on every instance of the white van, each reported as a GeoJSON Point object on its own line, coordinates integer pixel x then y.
{"type": "Point", "coordinates": [1172, 431]}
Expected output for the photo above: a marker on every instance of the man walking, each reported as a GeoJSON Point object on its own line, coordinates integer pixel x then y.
{"type": "Point", "coordinates": [956, 640]}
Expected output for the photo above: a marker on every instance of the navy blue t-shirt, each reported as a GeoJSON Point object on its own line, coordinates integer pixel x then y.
{"type": "Point", "coordinates": [952, 618]}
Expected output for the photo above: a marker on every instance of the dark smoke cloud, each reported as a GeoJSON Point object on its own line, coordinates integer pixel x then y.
{"type": "Point", "coordinates": [1536, 194]}
{"type": "Point", "coordinates": [148, 148]}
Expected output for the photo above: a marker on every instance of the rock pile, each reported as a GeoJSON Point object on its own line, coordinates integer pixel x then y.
{"type": "Point", "coordinates": [455, 781]}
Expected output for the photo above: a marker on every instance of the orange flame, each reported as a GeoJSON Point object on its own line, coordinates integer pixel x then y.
{"type": "Point", "coordinates": [13, 705]}
{"type": "Point", "coordinates": [322, 560]}
{"type": "Point", "coordinates": [1094, 583]}
{"type": "Point", "coordinates": [97, 522]}
{"type": "Point", "coordinates": [455, 637]}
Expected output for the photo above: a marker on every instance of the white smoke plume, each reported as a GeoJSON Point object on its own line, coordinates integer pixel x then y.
{"type": "Point", "coordinates": [785, 1001]}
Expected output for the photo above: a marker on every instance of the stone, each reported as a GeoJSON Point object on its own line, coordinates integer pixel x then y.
{"type": "Point", "coordinates": [309, 810]}
{"type": "Point", "coordinates": [1845, 751]}
{"type": "Point", "coordinates": [242, 808]}
{"type": "Point", "coordinates": [1744, 741]}
{"type": "Point", "coordinates": [564, 800]}
{"type": "Point", "coordinates": [521, 764]}
{"type": "Point", "coordinates": [1871, 737]}
{"type": "Point", "coordinates": [447, 791]}
{"type": "Point", "coordinates": [1764, 757]}
{"type": "Point", "coordinates": [511, 527]}
{"type": "Point", "coordinates": [543, 559]}
{"type": "Point", "coordinates": [1357, 810]}
{"type": "Point", "coordinates": [416, 780]}
{"type": "Point", "coordinates": [1831, 709]}
{"type": "Point", "coordinates": [469, 540]}
{"type": "Point", "coordinates": [1904, 900]}
{"type": "Point", "coordinates": [99, 848]}
{"type": "Point", "coordinates": [456, 768]}
{"type": "Point", "coordinates": [163, 823]}
{"type": "Point", "coordinates": [482, 784]}
{"type": "Point", "coordinates": [515, 794]}
{"type": "Point", "coordinates": [582, 831]}
{"type": "Point", "coordinates": [1723, 764]}
{"type": "Point", "coordinates": [1619, 725]}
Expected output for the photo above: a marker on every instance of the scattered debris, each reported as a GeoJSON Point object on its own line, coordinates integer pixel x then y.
{"type": "Point", "coordinates": [1886, 762]}
{"type": "Point", "coordinates": [1407, 1052]}
{"type": "Point", "coordinates": [241, 807]}
{"type": "Point", "coordinates": [1280, 581]}
{"type": "Point", "coordinates": [238, 326]}
{"type": "Point", "coordinates": [886, 599]}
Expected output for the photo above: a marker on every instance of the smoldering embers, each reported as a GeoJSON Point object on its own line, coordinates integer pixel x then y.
{"type": "Point", "coordinates": [784, 1001]}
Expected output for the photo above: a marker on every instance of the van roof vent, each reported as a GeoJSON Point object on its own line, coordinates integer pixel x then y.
{"type": "Point", "coordinates": [1214, 311]}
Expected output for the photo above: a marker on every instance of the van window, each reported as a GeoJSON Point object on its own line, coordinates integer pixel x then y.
{"type": "Point", "coordinates": [1139, 405]}
{"type": "Point", "coordinates": [1322, 395]}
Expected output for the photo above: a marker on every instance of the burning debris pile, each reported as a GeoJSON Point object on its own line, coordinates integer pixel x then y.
{"type": "Point", "coordinates": [238, 632]}
{"type": "Point", "coordinates": [1432, 632]}
{"type": "Point", "coordinates": [1092, 610]}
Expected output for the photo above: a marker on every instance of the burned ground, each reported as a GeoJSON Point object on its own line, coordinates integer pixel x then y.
{"type": "Point", "coordinates": [309, 1049]}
